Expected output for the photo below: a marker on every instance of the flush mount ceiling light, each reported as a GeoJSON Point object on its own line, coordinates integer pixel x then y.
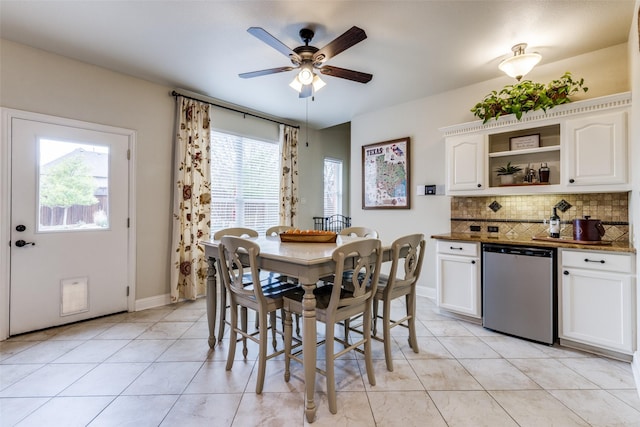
{"type": "Point", "coordinates": [520, 63]}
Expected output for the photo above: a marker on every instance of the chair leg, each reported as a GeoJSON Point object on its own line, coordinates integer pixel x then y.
{"type": "Point", "coordinates": [330, 367]}
{"type": "Point", "coordinates": [243, 320]}
{"type": "Point", "coordinates": [366, 328]}
{"type": "Point", "coordinates": [288, 332]}
{"type": "Point", "coordinates": [347, 325]}
{"type": "Point", "coordinates": [233, 336]}
{"type": "Point", "coordinates": [262, 352]}
{"type": "Point", "coordinates": [386, 333]}
{"type": "Point", "coordinates": [375, 317]}
{"type": "Point", "coordinates": [223, 312]}
{"type": "Point", "coordinates": [273, 320]}
{"type": "Point", "coordinates": [411, 312]}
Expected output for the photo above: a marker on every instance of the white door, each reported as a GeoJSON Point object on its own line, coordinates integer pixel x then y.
{"type": "Point", "coordinates": [69, 231]}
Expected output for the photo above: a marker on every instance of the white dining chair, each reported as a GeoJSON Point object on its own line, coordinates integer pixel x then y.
{"type": "Point", "coordinates": [334, 303]}
{"type": "Point", "coordinates": [406, 265]}
{"type": "Point", "coordinates": [265, 299]}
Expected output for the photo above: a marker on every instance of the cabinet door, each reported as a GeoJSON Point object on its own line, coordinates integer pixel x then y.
{"type": "Point", "coordinates": [597, 309]}
{"type": "Point", "coordinates": [465, 162]}
{"type": "Point", "coordinates": [597, 150]}
{"type": "Point", "coordinates": [458, 281]}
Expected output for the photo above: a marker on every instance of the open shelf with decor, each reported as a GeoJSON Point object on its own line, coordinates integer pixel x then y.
{"type": "Point", "coordinates": [528, 150]}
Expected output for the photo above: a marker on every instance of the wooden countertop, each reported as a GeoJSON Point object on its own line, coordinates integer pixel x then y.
{"type": "Point", "coordinates": [528, 241]}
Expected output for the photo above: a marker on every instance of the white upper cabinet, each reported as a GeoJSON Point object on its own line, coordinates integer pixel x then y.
{"type": "Point", "coordinates": [583, 144]}
{"type": "Point", "coordinates": [465, 162]}
{"type": "Point", "coordinates": [596, 147]}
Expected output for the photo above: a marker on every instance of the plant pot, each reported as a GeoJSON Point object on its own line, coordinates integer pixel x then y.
{"type": "Point", "coordinates": [506, 179]}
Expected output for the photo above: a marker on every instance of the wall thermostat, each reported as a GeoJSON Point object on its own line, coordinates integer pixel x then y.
{"type": "Point", "coordinates": [430, 190]}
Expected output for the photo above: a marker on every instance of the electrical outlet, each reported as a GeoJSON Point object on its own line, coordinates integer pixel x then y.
{"type": "Point", "coordinates": [492, 229]}
{"type": "Point", "coordinates": [475, 228]}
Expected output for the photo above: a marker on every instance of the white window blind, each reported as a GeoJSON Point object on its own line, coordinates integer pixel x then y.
{"type": "Point", "coordinates": [245, 182]}
{"type": "Point", "coordinates": [332, 187]}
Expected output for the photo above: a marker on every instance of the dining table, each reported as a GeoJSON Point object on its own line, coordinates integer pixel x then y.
{"type": "Point", "coordinates": [308, 263]}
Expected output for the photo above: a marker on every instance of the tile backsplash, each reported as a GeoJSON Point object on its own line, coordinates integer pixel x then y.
{"type": "Point", "coordinates": [524, 216]}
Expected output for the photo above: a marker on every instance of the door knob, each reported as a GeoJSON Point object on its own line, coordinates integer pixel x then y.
{"type": "Point", "coordinates": [20, 243]}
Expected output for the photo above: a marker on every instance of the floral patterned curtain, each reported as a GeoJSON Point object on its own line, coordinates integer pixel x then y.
{"type": "Point", "coordinates": [289, 176]}
{"type": "Point", "coordinates": [191, 199]}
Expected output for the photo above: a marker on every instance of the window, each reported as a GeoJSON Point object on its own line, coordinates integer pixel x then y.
{"type": "Point", "coordinates": [73, 189]}
{"type": "Point", "coordinates": [245, 182]}
{"type": "Point", "coordinates": [332, 187]}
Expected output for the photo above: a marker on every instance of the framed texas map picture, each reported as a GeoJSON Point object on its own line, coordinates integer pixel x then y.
{"type": "Point", "coordinates": [385, 175]}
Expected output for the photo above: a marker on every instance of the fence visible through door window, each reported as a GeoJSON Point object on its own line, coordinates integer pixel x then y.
{"type": "Point", "coordinates": [73, 190]}
{"type": "Point", "coordinates": [245, 182]}
{"type": "Point", "coordinates": [332, 187]}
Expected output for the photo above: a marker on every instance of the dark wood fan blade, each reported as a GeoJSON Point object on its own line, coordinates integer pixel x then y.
{"type": "Point", "coordinates": [351, 37]}
{"type": "Point", "coordinates": [343, 73]}
{"type": "Point", "coordinates": [263, 35]}
{"type": "Point", "coordinates": [306, 91]}
{"type": "Point", "coordinates": [265, 72]}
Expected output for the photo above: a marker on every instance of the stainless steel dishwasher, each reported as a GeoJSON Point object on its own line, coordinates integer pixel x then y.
{"type": "Point", "coordinates": [519, 289]}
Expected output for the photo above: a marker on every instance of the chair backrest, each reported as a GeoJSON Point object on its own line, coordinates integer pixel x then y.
{"type": "Point", "coordinates": [409, 249]}
{"type": "Point", "coordinates": [336, 222]}
{"type": "Point", "coordinates": [277, 229]}
{"type": "Point", "coordinates": [233, 270]}
{"type": "Point", "coordinates": [235, 231]}
{"type": "Point", "coordinates": [364, 258]}
{"type": "Point", "coordinates": [359, 232]}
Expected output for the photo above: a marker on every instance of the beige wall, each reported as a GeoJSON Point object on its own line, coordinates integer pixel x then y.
{"type": "Point", "coordinates": [33, 80]}
{"type": "Point", "coordinates": [605, 72]}
{"type": "Point", "coordinates": [331, 142]}
{"type": "Point", "coordinates": [37, 81]}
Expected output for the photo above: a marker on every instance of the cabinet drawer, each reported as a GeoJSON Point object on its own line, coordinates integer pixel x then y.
{"type": "Point", "coordinates": [458, 248]}
{"type": "Point", "coordinates": [602, 261]}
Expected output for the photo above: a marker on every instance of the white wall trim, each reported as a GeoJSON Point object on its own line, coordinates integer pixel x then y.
{"type": "Point", "coordinates": [602, 103]}
{"type": "Point", "coordinates": [5, 216]}
{"type": "Point", "coordinates": [152, 302]}
{"type": "Point", "coordinates": [635, 367]}
{"type": "Point", "coordinates": [5, 201]}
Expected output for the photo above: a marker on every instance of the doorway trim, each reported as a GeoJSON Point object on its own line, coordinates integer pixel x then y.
{"type": "Point", "coordinates": [5, 202]}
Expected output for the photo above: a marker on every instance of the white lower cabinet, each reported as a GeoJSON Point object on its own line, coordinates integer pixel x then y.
{"type": "Point", "coordinates": [597, 299]}
{"type": "Point", "coordinates": [458, 277]}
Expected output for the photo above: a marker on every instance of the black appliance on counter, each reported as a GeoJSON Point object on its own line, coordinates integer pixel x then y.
{"type": "Point", "coordinates": [519, 291]}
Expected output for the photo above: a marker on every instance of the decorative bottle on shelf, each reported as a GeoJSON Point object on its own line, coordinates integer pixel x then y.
{"type": "Point", "coordinates": [543, 172]}
{"type": "Point", "coordinates": [554, 224]}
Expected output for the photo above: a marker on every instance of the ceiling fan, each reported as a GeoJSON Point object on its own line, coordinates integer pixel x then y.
{"type": "Point", "coordinates": [309, 58]}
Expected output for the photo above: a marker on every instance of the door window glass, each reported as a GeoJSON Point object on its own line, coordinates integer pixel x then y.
{"type": "Point", "coordinates": [73, 186]}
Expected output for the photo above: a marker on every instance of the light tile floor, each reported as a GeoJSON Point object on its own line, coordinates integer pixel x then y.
{"type": "Point", "coordinates": [154, 368]}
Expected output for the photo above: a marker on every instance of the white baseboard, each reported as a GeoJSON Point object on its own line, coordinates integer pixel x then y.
{"type": "Point", "coordinates": [635, 367]}
{"type": "Point", "coordinates": [423, 291]}
{"type": "Point", "coordinates": [152, 302]}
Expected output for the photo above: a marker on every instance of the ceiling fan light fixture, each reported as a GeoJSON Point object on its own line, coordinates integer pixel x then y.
{"type": "Point", "coordinates": [305, 76]}
{"type": "Point", "coordinates": [318, 83]}
{"type": "Point", "coordinates": [296, 85]}
{"type": "Point", "coordinates": [520, 63]}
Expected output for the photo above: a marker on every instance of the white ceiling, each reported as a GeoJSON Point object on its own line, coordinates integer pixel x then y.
{"type": "Point", "coordinates": [414, 48]}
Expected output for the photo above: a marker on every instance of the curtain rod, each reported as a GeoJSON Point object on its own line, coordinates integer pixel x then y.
{"type": "Point", "coordinates": [246, 113]}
